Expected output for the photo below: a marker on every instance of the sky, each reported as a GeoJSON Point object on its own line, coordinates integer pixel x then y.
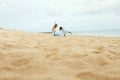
{"type": "Point", "coordinates": [73, 15]}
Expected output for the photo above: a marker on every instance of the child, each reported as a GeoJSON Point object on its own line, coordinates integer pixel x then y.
{"type": "Point", "coordinates": [64, 31]}
{"type": "Point", "coordinates": [54, 30]}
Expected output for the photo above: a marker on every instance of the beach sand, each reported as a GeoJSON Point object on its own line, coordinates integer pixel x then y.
{"type": "Point", "coordinates": [37, 56]}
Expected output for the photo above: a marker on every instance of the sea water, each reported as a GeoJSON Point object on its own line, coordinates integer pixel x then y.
{"type": "Point", "coordinates": [111, 32]}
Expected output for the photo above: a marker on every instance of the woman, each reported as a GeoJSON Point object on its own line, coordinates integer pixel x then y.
{"type": "Point", "coordinates": [64, 31]}
{"type": "Point", "coordinates": [54, 30]}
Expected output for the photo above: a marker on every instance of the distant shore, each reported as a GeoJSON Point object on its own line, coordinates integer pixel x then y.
{"type": "Point", "coordinates": [45, 32]}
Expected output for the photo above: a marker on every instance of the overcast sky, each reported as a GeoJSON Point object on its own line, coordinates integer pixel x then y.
{"type": "Point", "coordinates": [74, 15]}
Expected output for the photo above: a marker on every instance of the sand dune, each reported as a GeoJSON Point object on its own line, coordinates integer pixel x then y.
{"type": "Point", "coordinates": [37, 56]}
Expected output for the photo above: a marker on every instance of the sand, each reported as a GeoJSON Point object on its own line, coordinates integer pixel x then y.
{"type": "Point", "coordinates": [37, 56]}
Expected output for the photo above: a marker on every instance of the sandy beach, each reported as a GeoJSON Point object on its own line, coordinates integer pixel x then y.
{"type": "Point", "coordinates": [39, 56]}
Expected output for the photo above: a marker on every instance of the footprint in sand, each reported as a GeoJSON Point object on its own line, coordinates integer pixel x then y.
{"type": "Point", "coordinates": [54, 56]}
{"type": "Point", "coordinates": [90, 75]}
{"type": "Point", "coordinates": [20, 62]}
{"type": "Point", "coordinates": [99, 50]}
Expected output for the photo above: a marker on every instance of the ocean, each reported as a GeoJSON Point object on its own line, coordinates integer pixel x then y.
{"type": "Point", "coordinates": [111, 32]}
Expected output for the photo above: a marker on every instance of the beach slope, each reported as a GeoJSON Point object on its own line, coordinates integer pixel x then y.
{"type": "Point", "coordinates": [37, 56]}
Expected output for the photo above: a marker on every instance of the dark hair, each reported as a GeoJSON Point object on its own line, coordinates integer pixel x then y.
{"type": "Point", "coordinates": [55, 25]}
{"type": "Point", "coordinates": [60, 28]}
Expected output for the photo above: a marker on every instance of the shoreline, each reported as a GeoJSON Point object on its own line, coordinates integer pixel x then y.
{"type": "Point", "coordinates": [78, 34]}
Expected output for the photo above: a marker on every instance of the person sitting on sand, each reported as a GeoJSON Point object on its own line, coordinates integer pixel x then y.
{"type": "Point", "coordinates": [54, 28]}
{"type": "Point", "coordinates": [64, 31]}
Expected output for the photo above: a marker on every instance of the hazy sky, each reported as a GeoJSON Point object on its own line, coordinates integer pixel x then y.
{"type": "Point", "coordinates": [74, 15]}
